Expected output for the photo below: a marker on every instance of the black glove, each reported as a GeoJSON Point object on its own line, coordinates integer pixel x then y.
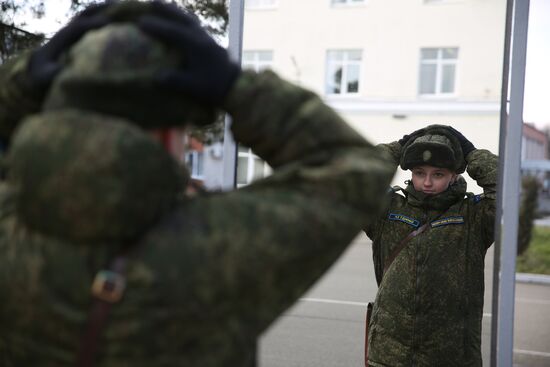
{"type": "Point", "coordinates": [44, 62]}
{"type": "Point", "coordinates": [208, 72]}
{"type": "Point", "coordinates": [465, 144]}
{"type": "Point", "coordinates": [413, 135]}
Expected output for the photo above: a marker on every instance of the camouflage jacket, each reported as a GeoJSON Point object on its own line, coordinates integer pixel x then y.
{"type": "Point", "coordinates": [212, 271]}
{"type": "Point", "coordinates": [429, 306]}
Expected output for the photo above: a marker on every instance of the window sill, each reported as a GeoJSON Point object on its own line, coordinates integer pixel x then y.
{"type": "Point", "coordinates": [343, 96]}
{"type": "Point", "coordinates": [348, 6]}
{"type": "Point", "coordinates": [437, 96]}
{"type": "Point", "coordinates": [443, 2]}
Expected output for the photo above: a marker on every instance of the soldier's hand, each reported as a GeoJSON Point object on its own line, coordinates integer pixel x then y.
{"type": "Point", "coordinates": [412, 136]}
{"type": "Point", "coordinates": [44, 62]}
{"type": "Point", "coordinates": [465, 144]}
{"type": "Point", "coordinates": [208, 73]}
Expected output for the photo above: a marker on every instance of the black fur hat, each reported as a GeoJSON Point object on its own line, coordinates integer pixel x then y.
{"type": "Point", "coordinates": [438, 147]}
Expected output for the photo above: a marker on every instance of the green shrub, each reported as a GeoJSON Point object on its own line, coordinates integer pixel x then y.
{"type": "Point", "coordinates": [537, 257]}
{"type": "Point", "coordinates": [530, 193]}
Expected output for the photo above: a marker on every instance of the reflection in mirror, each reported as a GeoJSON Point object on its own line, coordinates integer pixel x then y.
{"type": "Point", "coordinates": [388, 70]}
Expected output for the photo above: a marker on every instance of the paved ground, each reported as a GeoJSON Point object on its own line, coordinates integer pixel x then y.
{"type": "Point", "coordinates": [326, 328]}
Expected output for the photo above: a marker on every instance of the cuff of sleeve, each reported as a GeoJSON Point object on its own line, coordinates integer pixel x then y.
{"type": "Point", "coordinates": [236, 93]}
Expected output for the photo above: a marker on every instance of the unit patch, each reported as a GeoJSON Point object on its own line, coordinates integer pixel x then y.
{"type": "Point", "coordinates": [402, 218]}
{"type": "Point", "coordinates": [478, 198]}
{"type": "Point", "coordinates": [447, 221]}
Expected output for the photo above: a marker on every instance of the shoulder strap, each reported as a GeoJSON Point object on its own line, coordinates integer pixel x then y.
{"type": "Point", "coordinates": [107, 289]}
{"type": "Point", "coordinates": [404, 244]}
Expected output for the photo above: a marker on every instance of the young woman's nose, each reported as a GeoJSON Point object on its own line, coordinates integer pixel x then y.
{"type": "Point", "coordinates": [427, 181]}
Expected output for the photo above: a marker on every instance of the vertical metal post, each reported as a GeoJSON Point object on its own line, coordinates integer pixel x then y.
{"type": "Point", "coordinates": [503, 121]}
{"type": "Point", "coordinates": [511, 188]}
{"type": "Point", "coordinates": [236, 21]}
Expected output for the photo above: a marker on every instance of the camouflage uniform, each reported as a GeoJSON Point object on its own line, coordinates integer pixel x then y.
{"type": "Point", "coordinates": [207, 274]}
{"type": "Point", "coordinates": [429, 306]}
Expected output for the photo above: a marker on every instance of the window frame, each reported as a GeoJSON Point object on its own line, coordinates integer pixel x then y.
{"type": "Point", "coordinates": [439, 62]}
{"type": "Point", "coordinates": [347, 3]}
{"type": "Point", "coordinates": [257, 65]}
{"type": "Point", "coordinates": [250, 167]}
{"type": "Point", "coordinates": [261, 4]}
{"type": "Point", "coordinates": [192, 159]}
{"type": "Point", "coordinates": [344, 80]}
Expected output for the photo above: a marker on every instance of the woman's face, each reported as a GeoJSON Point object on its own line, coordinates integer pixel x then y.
{"type": "Point", "coordinates": [432, 180]}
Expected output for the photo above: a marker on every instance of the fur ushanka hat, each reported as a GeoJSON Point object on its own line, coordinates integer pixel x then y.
{"type": "Point", "coordinates": [437, 147]}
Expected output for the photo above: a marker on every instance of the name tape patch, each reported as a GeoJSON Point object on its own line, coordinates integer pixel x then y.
{"type": "Point", "coordinates": [447, 221]}
{"type": "Point", "coordinates": [402, 218]}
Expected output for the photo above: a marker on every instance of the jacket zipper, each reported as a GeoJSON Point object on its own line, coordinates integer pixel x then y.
{"type": "Point", "coordinates": [416, 296]}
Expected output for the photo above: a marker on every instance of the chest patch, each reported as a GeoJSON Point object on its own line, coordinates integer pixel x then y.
{"type": "Point", "coordinates": [447, 221]}
{"type": "Point", "coordinates": [402, 218]}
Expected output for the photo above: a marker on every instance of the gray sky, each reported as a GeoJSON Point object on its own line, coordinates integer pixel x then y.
{"type": "Point", "coordinates": [537, 76]}
{"type": "Point", "coordinates": [536, 107]}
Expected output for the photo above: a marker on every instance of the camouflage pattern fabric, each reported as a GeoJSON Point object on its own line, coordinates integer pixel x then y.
{"type": "Point", "coordinates": [84, 186]}
{"type": "Point", "coordinates": [18, 99]}
{"type": "Point", "coordinates": [429, 305]}
{"type": "Point", "coordinates": [122, 85]}
{"type": "Point", "coordinates": [212, 271]}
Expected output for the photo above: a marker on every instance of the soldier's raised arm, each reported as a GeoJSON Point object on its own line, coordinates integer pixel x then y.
{"type": "Point", "coordinates": [264, 245]}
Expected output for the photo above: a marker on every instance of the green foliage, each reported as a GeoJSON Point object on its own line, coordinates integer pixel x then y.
{"type": "Point", "coordinates": [537, 257]}
{"type": "Point", "coordinates": [530, 189]}
{"type": "Point", "coordinates": [209, 134]}
{"type": "Point", "coordinates": [213, 14]}
{"type": "Point", "coordinates": [14, 40]}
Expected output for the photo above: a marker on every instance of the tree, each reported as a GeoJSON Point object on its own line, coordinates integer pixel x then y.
{"type": "Point", "coordinates": [213, 13]}
{"type": "Point", "coordinates": [13, 37]}
{"type": "Point", "coordinates": [14, 40]}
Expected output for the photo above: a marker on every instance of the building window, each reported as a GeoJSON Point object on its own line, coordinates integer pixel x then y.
{"type": "Point", "coordinates": [250, 167]}
{"type": "Point", "coordinates": [257, 60]}
{"type": "Point", "coordinates": [261, 4]}
{"type": "Point", "coordinates": [438, 71]}
{"type": "Point", "coordinates": [440, 1]}
{"type": "Point", "coordinates": [343, 71]}
{"type": "Point", "coordinates": [346, 2]}
{"type": "Point", "coordinates": [195, 163]}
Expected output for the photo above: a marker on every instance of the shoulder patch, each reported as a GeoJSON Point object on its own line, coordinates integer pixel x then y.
{"type": "Point", "coordinates": [403, 218]}
{"type": "Point", "coordinates": [477, 198]}
{"type": "Point", "coordinates": [447, 221]}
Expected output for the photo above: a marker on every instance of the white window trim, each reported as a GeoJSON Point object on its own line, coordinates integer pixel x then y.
{"type": "Point", "coordinates": [257, 64]}
{"type": "Point", "coordinates": [272, 6]}
{"type": "Point", "coordinates": [441, 2]}
{"type": "Point", "coordinates": [194, 168]}
{"type": "Point", "coordinates": [250, 157]}
{"type": "Point", "coordinates": [344, 74]}
{"type": "Point", "coordinates": [439, 62]}
{"type": "Point", "coordinates": [348, 4]}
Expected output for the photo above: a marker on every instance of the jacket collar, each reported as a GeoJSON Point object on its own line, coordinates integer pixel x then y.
{"type": "Point", "coordinates": [441, 201]}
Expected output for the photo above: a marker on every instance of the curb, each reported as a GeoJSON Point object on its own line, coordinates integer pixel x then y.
{"type": "Point", "coordinates": [533, 278]}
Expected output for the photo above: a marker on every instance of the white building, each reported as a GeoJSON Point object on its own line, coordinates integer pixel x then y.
{"type": "Point", "coordinates": [388, 67]}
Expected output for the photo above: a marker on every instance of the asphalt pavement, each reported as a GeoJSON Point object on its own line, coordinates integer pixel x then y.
{"type": "Point", "coordinates": [326, 327]}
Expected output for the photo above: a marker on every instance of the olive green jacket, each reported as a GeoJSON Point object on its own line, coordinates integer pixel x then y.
{"type": "Point", "coordinates": [211, 272]}
{"type": "Point", "coordinates": [429, 306]}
